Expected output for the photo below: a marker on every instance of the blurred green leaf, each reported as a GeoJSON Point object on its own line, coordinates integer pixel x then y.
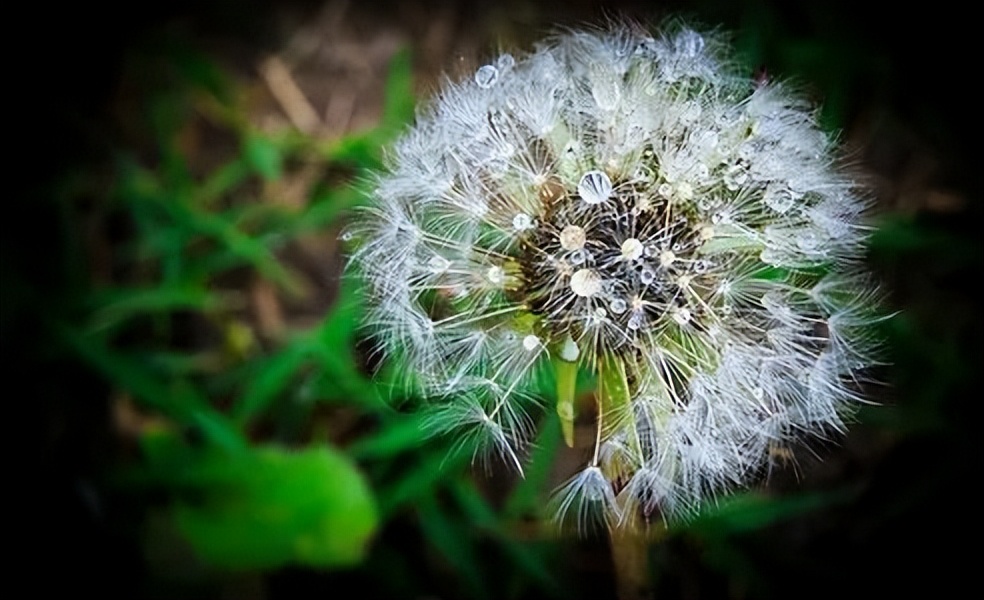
{"type": "Point", "coordinates": [398, 94]}
{"type": "Point", "coordinates": [263, 156]}
{"type": "Point", "coordinates": [452, 542]}
{"type": "Point", "coordinates": [478, 511]}
{"type": "Point", "coordinates": [269, 379]}
{"type": "Point", "coordinates": [273, 507]}
{"type": "Point", "coordinates": [116, 305]}
{"type": "Point", "coordinates": [527, 497]}
{"type": "Point", "coordinates": [174, 398]}
{"type": "Point", "coordinates": [748, 512]}
{"type": "Point", "coordinates": [398, 435]}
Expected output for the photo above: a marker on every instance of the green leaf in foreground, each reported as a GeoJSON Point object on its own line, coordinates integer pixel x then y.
{"type": "Point", "coordinates": [273, 507]}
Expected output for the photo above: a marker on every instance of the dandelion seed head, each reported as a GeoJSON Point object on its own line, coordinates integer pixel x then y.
{"type": "Point", "coordinates": [619, 198]}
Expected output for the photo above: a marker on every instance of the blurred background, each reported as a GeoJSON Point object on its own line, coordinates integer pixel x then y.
{"type": "Point", "coordinates": [203, 420]}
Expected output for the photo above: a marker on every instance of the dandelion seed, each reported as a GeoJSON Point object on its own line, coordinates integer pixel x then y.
{"type": "Point", "coordinates": [572, 238]}
{"type": "Point", "coordinates": [585, 282]}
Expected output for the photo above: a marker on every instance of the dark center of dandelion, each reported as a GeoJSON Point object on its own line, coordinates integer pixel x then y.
{"type": "Point", "coordinates": [627, 259]}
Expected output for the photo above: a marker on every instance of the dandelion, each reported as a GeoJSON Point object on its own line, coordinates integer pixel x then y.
{"type": "Point", "coordinates": [633, 207]}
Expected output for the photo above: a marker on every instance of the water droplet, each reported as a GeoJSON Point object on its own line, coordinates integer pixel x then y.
{"type": "Point", "coordinates": [486, 76]}
{"type": "Point", "coordinates": [569, 351]}
{"type": "Point", "coordinates": [531, 343]}
{"type": "Point", "coordinates": [735, 177]}
{"type": "Point", "coordinates": [682, 316]}
{"type": "Point", "coordinates": [438, 264]}
{"type": "Point", "coordinates": [572, 238]}
{"type": "Point", "coordinates": [618, 306]}
{"type": "Point", "coordinates": [346, 236]}
{"type": "Point", "coordinates": [636, 321]}
{"type": "Point", "coordinates": [595, 187]}
{"type": "Point", "coordinates": [505, 62]}
{"type": "Point", "coordinates": [604, 90]}
{"type": "Point", "coordinates": [522, 222]}
{"type": "Point", "coordinates": [807, 240]}
{"type": "Point", "coordinates": [650, 251]}
{"type": "Point", "coordinates": [777, 198]}
{"type": "Point", "coordinates": [647, 276]}
{"type": "Point", "coordinates": [585, 283]}
{"type": "Point", "coordinates": [578, 257]}
{"type": "Point", "coordinates": [689, 43]}
{"type": "Point", "coordinates": [691, 112]}
{"type": "Point", "coordinates": [496, 275]}
{"type": "Point", "coordinates": [631, 249]}
{"type": "Point", "coordinates": [701, 266]}
{"type": "Point", "coordinates": [684, 191]}
{"type": "Point", "coordinates": [770, 256]}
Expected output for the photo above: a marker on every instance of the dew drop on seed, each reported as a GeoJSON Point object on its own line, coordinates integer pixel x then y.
{"type": "Point", "coordinates": [605, 92]}
{"type": "Point", "coordinates": [691, 112]}
{"type": "Point", "coordinates": [735, 177]}
{"type": "Point", "coordinates": [569, 351]}
{"type": "Point", "coordinates": [746, 152]}
{"type": "Point", "coordinates": [495, 275]}
{"type": "Point", "coordinates": [572, 238]}
{"type": "Point", "coordinates": [770, 256]}
{"type": "Point", "coordinates": [585, 283]}
{"type": "Point", "coordinates": [531, 343]}
{"type": "Point", "coordinates": [595, 187]}
{"type": "Point", "coordinates": [438, 264]}
{"type": "Point", "coordinates": [631, 249]}
{"type": "Point", "coordinates": [522, 222]}
{"type": "Point", "coordinates": [635, 321]}
{"type": "Point", "coordinates": [682, 316]}
{"type": "Point", "coordinates": [777, 199]}
{"type": "Point", "coordinates": [647, 276]}
{"type": "Point", "coordinates": [689, 43]}
{"type": "Point", "coordinates": [486, 76]}
{"type": "Point", "coordinates": [650, 251]}
{"type": "Point", "coordinates": [346, 236]}
{"type": "Point", "coordinates": [807, 240]}
{"type": "Point", "coordinates": [578, 257]}
{"type": "Point", "coordinates": [505, 62]}
{"type": "Point", "coordinates": [667, 258]}
{"type": "Point", "coordinates": [618, 306]}
{"type": "Point", "coordinates": [684, 191]}
{"type": "Point", "coordinates": [593, 493]}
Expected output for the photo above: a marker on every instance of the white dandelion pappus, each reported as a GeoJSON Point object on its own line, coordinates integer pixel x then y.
{"type": "Point", "coordinates": [630, 206]}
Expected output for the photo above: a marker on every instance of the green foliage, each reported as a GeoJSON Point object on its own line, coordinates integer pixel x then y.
{"type": "Point", "coordinates": [271, 507]}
